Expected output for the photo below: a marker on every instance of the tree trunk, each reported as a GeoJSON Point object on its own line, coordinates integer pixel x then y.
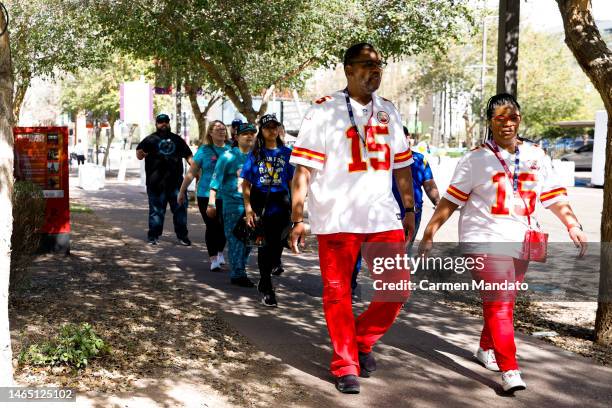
{"type": "Point", "coordinates": [97, 130]}
{"type": "Point", "coordinates": [450, 115]}
{"type": "Point", "coordinates": [108, 143]}
{"type": "Point", "coordinates": [244, 104]}
{"type": "Point", "coordinates": [583, 39]}
{"type": "Point", "coordinates": [416, 121]}
{"type": "Point", "coordinates": [128, 145]}
{"type": "Point", "coordinates": [6, 206]}
{"type": "Point", "coordinates": [192, 93]}
{"type": "Point", "coordinates": [20, 92]}
{"type": "Point", "coordinates": [201, 116]}
{"type": "Point", "coordinates": [179, 107]}
{"type": "Point", "coordinates": [469, 130]}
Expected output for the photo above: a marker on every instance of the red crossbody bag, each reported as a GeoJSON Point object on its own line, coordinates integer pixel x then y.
{"type": "Point", "coordinates": [535, 242]}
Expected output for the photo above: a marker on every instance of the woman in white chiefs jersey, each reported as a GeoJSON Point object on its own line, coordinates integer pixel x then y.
{"type": "Point", "coordinates": [497, 185]}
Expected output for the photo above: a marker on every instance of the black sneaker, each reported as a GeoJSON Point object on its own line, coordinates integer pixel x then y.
{"type": "Point", "coordinates": [242, 281]}
{"type": "Point", "coordinates": [183, 241]}
{"type": "Point", "coordinates": [278, 270]}
{"type": "Point", "coordinates": [269, 299]}
{"type": "Point", "coordinates": [367, 364]}
{"type": "Point", "coordinates": [152, 241]}
{"type": "Point", "coordinates": [348, 384]}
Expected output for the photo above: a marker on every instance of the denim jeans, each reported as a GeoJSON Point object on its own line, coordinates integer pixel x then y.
{"type": "Point", "coordinates": [237, 252]}
{"type": "Point", "coordinates": [158, 201]}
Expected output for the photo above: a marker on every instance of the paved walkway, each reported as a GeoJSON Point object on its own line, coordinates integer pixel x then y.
{"type": "Point", "coordinates": [424, 360]}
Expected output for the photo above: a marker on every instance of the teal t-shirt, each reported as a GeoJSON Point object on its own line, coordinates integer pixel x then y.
{"type": "Point", "coordinates": [226, 178]}
{"type": "Point", "coordinates": [207, 157]}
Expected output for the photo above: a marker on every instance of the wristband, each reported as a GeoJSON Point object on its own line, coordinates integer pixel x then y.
{"type": "Point", "coordinates": [569, 227]}
{"type": "Point", "coordinates": [409, 209]}
{"type": "Point", "coordinates": [212, 205]}
{"type": "Point", "coordinates": [293, 224]}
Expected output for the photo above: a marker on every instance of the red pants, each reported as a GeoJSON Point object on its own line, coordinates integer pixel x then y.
{"type": "Point", "coordinates": [337, 257]}
{"type": "Point", "coordinates": [498, 307]}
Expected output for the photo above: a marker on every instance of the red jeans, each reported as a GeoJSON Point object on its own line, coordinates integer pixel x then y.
{"type": "Point", "coordinates": [498, 307]}
{"type": "Point", "coordinates": [337, 257]}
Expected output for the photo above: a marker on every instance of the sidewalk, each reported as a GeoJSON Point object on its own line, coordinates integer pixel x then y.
{"type": "Point", "coordinates": [424, 360]}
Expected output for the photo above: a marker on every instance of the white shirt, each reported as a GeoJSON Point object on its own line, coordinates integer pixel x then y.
{"type": "Point", "coordinates": [490, 211]}
{"type": "Point", "coordinates": [79, 149]}
{"type": "Point", "coordinates": [350, 188]}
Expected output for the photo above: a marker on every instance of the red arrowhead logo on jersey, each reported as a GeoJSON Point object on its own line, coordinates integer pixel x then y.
{"type": "Point", "coordinates": [533, 164]}
{"type": "Point", "coordinates": [383, 117]}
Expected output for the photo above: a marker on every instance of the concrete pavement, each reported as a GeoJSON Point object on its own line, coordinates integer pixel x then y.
{"type": "Point", "coordinates": [424, 360]}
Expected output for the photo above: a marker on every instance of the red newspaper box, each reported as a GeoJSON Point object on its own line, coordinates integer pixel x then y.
{"type": "Point", "coordinates": [41, 157]}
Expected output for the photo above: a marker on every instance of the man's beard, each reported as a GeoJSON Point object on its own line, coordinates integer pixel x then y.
{"type": "Point", "coordinates": [371, 86]}
{"type": "Point", "coordinates": [163, 130]}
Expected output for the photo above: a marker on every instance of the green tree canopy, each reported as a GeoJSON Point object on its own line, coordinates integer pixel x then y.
{"type": "Point", "coordinates": [250, 48]}
{"type": "Point", "coordinates": [49, 37]}
{"type": "Point", "coordinates": [544, 64]}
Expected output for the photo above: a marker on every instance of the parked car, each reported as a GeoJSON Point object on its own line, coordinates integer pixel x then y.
{"type": "Point", "coordinates": [582, 156]}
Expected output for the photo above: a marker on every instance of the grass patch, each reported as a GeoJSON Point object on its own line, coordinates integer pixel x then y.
{"type": "Point", "coordinates": [74, 346]}
{"type": "Point", "coordinates": [80, 208]}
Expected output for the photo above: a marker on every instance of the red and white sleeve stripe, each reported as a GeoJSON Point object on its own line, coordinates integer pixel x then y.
{"type": "Point", "coordinates": [307, 157]}
{"type": "Point", "coordinates": [456, 196]}
{"type": "Point", "coordinates": [552, 196]}
{"type": "Point", "coordinates": [402, 159]}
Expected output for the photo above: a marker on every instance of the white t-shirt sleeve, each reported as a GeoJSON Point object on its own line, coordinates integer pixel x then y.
{"type": "Point", "coordinates": [552, 190]}
{"type": "Point", "coordinates": [460, 186]}
{"type": "Point", "coordinates": [309, 148]}
{"type": "Point", "coordinates": [402, 155]}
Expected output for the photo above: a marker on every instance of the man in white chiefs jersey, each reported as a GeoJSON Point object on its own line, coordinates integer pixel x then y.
{"type": "Point", "coordinates": [349, 146]}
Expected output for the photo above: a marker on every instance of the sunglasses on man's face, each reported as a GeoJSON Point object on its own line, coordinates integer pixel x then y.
{"type": "Point", "coordinates": [371, 64]}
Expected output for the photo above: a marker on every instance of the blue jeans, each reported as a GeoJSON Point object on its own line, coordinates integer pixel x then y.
{"type": "Point", "coordinates": [158, 201]}
{"type": "Point", "coordinates": [237, 252]}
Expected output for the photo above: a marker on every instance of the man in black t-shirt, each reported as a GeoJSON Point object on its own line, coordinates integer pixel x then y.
{"type": "Point", "coordinates": [164, 152]}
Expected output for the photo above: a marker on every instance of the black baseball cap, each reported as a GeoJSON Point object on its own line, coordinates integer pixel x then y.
{"type": "Point", "coordinates": [246, 128]}
{"type": "Point", "coordinates": [236, 123]}
{"type": "Point", "coordinates": [269, 118]}
{"type": "Point", "coordinates": [162, 118]}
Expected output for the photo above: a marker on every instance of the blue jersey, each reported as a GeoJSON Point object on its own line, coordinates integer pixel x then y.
{"type": "Point", "coordinates": [273, 171]}
{"type": "Point", "coordinates": [421, 172]}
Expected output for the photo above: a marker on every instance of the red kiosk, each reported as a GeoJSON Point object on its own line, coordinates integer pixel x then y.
{"type": "Point", "coordinates": [41, 157]}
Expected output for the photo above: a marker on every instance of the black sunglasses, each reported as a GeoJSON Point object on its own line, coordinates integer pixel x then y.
{"type": "Point", "coordinates": [371, 64]}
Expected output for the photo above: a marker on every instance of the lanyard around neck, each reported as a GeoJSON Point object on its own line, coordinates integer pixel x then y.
{"type": "Point", "coordinates": [514, 177]}
{"type": "Point", "coordinates": [352, 116]}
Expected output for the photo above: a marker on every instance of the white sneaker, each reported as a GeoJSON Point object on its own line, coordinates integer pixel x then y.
{"type": "Point", "coordinates": [487, 358]}
{"type": "Point", "coordinates": [220, 258]}
{"type": "Point", "coordinates": [512, 381]}
{"type": "Point", "coordinates": [214, 264]}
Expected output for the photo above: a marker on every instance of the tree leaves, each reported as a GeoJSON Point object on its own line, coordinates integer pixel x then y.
{"type": "Point", "coordinates": [246, 47]}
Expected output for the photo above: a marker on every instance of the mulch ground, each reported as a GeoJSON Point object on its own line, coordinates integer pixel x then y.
{"type": "Point", "coordinates": [159, 328]}
{"type": "Point", "coordinates": [156, 326]}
